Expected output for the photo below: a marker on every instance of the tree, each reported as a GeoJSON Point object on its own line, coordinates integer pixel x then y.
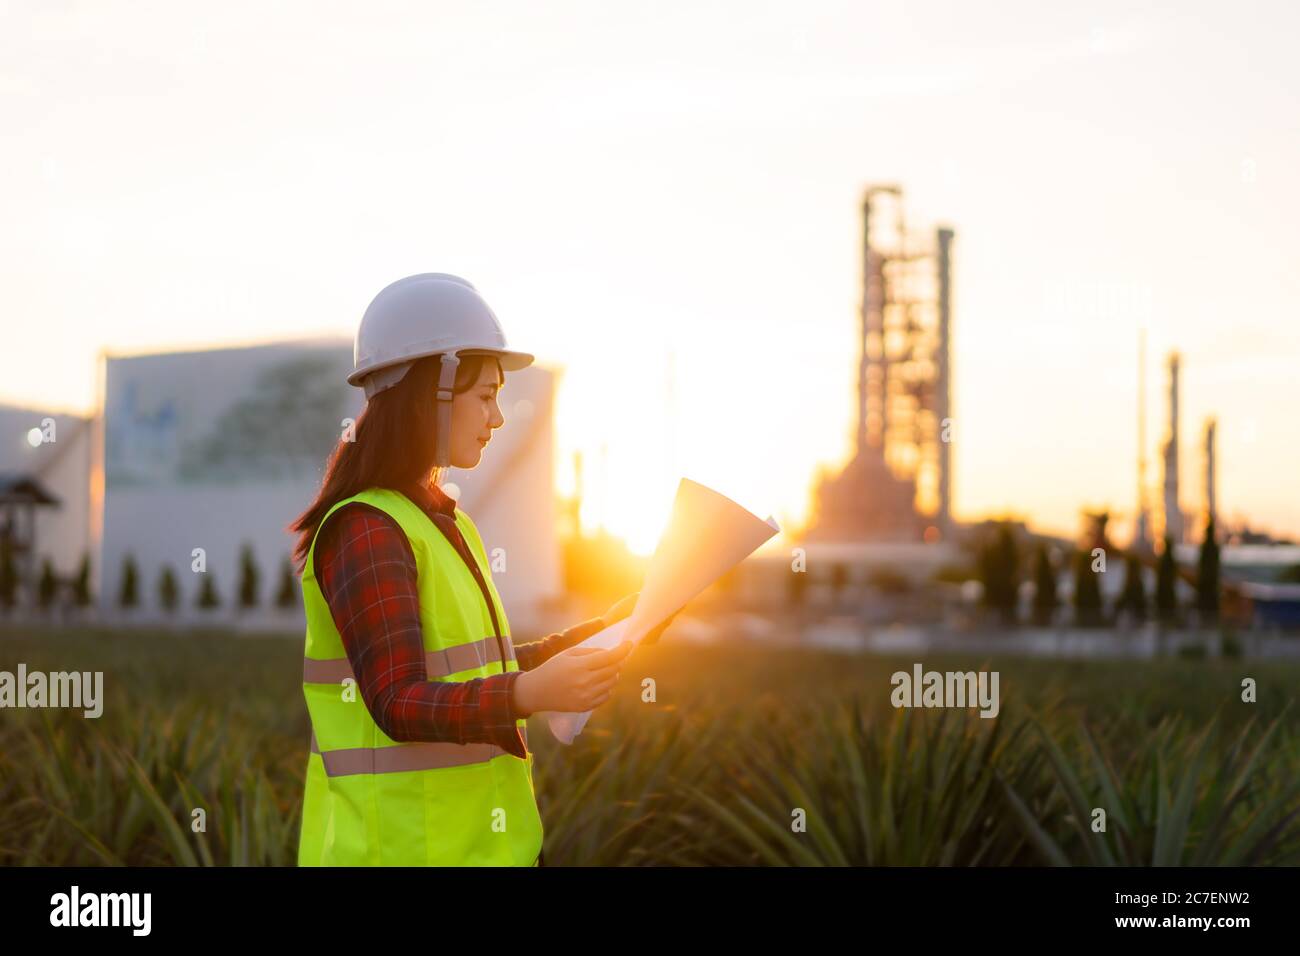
{"type": "Point", "coordinates": [81, 584]}
{"type": "Point", "coordinates": [797, 588]}
{"type": "Point", "coordinates": [1133, 598]}
{"type": "Point", "coordinates": [8, 574]}
{"type": "Point", "coordinates": [839, 579]}
{"type": "Point", "coordinates": [287, 597]}
{"type": "Point", "coordinates": [1166, 576]}
{"type": "Point", "coordinates": [248, 578]}
{"type": "Point", "coordinates": [128, 596]}
{"type": "Point", "coordinates": [48, 587]}
{"type": "Point", "coordinates": [1099, 521]}
{"type": "Point", "coordinates": [1207, 577]}
{"type": "Point", "coordinates": [999, 573]}
{"type": "Point", "coordinates": [208, 593]}
{"type": "Point", "coordinates": [168, 591]}
{"type": "Point", "coordinates": [1045, 599]}
{"type": "Point", "coordinates": [888, 580]}
{"type": "Point", "coordinates": [1087, 592]}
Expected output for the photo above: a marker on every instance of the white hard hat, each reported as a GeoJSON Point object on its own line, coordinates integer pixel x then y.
{"type": "Point", "coordinates": [428, 314]}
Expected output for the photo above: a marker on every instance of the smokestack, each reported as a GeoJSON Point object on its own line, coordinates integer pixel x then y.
{"type": "Point", "coordinates": [1173, 517]}
{"type": "Point", "coordinates": [943, 402]}
{"type": "Point", "coordinates": [1209, 471]}
{"type": "Point", "coordinates": [1142, 527]}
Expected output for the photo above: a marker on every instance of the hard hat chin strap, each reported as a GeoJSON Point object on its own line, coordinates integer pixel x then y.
{"type": "Point", "coordinates": [446, 379]}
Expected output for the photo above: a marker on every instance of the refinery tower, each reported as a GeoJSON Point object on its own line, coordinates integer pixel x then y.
{"type": "Point", "coordinates": [898, 484]}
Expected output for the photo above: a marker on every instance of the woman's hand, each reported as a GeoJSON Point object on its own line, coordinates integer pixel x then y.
{"type": "Point", "coordinates": [624, 607]}
{"type": "Point", "coordinates": [579, 679]}
{"type": "Point", "coordinates": [620, 609]}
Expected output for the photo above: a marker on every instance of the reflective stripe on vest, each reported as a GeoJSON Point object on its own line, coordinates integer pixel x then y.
{"type": "Point", "coordinates": [421, 756]}
{"type": "Point", "coordinates": [443, 663]}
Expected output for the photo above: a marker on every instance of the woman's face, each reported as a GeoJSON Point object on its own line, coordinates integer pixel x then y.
{"type": "Point", "coordinates": [474, 416]}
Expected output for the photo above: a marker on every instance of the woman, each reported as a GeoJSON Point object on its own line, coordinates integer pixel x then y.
{"type": "Point", "coordinates": [429, 764]}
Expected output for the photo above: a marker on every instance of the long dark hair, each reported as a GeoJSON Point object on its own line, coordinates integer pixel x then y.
{"type": "Point", "coordinates": [392, 446]}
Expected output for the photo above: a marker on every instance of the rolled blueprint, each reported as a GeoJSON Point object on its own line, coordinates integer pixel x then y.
{"type": "Point", "coordinates": [707, 535]}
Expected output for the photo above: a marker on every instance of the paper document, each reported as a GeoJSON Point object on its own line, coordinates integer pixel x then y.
{"type": "Point", "coordinates": [708, 534]}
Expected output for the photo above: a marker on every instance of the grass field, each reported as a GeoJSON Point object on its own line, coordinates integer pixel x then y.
{"type": "Point", "coordinates": [739, 739]}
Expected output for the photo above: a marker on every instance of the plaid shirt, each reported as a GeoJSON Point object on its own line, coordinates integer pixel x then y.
{"type": "Point", "coordinates": [367, 573]}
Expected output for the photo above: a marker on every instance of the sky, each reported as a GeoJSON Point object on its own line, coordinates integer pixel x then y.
{"type": "Point", "coordinates": [671, 191]}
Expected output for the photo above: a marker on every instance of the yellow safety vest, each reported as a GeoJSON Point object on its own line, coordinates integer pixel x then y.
{"type": "Point", "coordinates": [372, 801]}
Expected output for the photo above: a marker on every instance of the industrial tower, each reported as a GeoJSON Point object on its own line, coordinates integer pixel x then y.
{"type": "Point", "coordinates": [1211, 508]}
{"type": "Point", "coordinates": [1142, 525]}
{"type": "Point", "coordinates": [1173, 516]}
{"type": "Point", "coordinates": [898, 485]}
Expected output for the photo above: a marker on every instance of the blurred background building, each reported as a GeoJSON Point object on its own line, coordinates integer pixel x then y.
{"type": "Point", "coordinates": [220, 450]}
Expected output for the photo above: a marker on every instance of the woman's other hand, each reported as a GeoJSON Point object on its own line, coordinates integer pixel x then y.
{"type": "Point", "coordinates": [620, 609]}
{"type": "Point", "coordinates": [624, 607]}
{"type": "Point", "coordinates": [573, 681]}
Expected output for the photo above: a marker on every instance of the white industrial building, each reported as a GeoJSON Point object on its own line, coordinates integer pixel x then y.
{"type": "Point", "coordinates": [222, 448]}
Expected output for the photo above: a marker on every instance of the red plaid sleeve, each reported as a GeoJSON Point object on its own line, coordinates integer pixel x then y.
{"type": "Point", "coordinates": [368, 576]}
{"type": "Point", "coordinates": [535, 653]}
